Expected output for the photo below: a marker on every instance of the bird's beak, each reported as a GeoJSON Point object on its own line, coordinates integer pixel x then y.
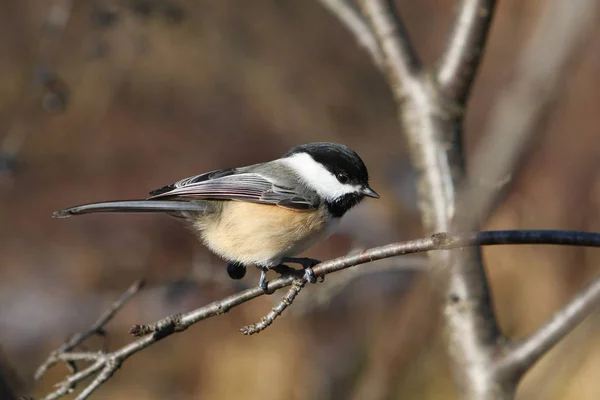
{"type": "Point", "coordinates": [367, 191]}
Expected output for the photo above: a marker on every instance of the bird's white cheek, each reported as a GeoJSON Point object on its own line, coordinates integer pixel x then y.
{"type": "Point", "coordinates": [317, 177]}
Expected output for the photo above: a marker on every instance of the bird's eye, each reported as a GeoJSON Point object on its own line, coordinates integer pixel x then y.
{"type": "Point", "coordinates": [342, 177]}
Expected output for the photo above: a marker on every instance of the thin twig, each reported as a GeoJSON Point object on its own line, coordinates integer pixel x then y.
{"type": "Point", "coordinates": [286, 301]}
{"type": "Point", "coordinates": [111, 366]}
{"type": "Point", "coordinates": [351, 18]}
{"type": "Point", "coordinates": [67, 386]}
{"type": "Point", "coordinates": [462, 55]}
{"type": "Point", "coordinates": [109, 363]}
{"type": "Point", "coordinates": [99, 359]}
{"type": "Point", "coordinates": [96, 329]}
{"type": "Point", "coordinates": [521, 355]}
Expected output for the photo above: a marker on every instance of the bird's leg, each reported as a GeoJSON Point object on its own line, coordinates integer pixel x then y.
{"type": "Point", "coordinates": [307, 264]}
{"type": "Point", "coordinates": [263, 283]}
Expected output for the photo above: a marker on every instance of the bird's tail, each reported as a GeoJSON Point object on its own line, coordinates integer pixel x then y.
{"type": "Point", "coordinates": [135, 206]}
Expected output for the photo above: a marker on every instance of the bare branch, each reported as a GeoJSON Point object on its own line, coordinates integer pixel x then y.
{"type": "Point", "coordinates": [439, 241]}
{"type": "Point", "coordinates": [473, 335]}
{"type": "Point", "coordinates": [433, 151]}
{"type": "Point", "coordinates": [64, 353]}
{"type": "Point", "coordinates": [68, 385]}
{"type": "Point", "coordinates": [332, 288]}
{"type": "Point", "coordinates": [402, 64]}
{"type": "Point", "coordinates": [285, 302]}
{"type": "Point", "coordinates": [432, 123]}
{"type": "Point", "coordinates": [521, 355]}
{"type": "Point", "coordinates": [107, 364]}
{"type": "Point", "coordinates": [61, 354]}
{"type": "Point", "coordinates": [459, 63]}
{"type": "Point", "coordinates": [110, 367]}
{"type": "Point", "coordinates": [351, 18]}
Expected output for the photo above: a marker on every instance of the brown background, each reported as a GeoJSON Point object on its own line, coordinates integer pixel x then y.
{"type": "Point", "coordinates": [155, 91]}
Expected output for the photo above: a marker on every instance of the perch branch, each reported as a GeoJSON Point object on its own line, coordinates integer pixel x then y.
{"type": "Point", "coordinates": [329, 290]}
{"type": "Point", "coordinates": [107, 363]}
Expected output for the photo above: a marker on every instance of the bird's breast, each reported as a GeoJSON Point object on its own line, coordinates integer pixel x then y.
{"type": "Point", "coordinates": [260, 234]}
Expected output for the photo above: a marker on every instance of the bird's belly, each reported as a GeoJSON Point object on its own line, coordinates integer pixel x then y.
{"type": "Point", "coordinates": [260, 234]}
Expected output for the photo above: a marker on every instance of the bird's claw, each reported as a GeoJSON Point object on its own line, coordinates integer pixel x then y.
{"type": "Point", "coordinates": [309, 275]}
{"type": "Point", "coordinates": [307, 264]}
{"type": "Point", "coordinates": [263, 283]}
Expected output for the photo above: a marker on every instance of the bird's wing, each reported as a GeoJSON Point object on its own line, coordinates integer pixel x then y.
{"type": "Point", "coordinates": [228, 184]}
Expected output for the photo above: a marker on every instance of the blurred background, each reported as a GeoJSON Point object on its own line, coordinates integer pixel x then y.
{"type": "Point", "coordinates": [110, 99]}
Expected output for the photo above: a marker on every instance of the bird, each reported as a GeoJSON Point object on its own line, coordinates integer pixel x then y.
{"type": "Point", "coordinates": [262, 214]}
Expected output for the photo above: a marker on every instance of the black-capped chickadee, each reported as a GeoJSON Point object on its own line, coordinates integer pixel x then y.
{"type": "Point", "coordinates": [261, 214]}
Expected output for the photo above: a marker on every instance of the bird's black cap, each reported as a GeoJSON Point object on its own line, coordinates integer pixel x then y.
{"type": "Point", "coordinates": [336, 158]}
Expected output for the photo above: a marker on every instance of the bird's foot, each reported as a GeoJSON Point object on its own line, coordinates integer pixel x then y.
{"type": "Point", "coordinates": [263, 283]}
{"type": "Point", "coordinates": [307, 264]}
{"type": "Point", "coordinates": [309, 275]}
